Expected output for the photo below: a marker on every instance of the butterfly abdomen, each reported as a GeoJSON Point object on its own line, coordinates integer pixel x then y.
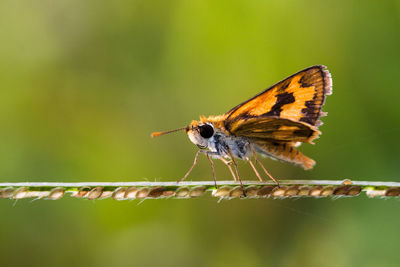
{"type": "Point", "coordinates": [285, 152]}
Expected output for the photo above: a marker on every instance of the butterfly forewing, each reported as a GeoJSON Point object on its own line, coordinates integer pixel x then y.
{"type": "Point", "coordinates": [298, 98]}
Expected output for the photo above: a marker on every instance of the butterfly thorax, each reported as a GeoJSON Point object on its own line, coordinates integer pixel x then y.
{"type": "Point", "coordinates": [222, 144]}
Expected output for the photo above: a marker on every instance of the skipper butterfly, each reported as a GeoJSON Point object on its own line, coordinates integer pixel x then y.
{"type": "Point", "coordinates": [273, 123]}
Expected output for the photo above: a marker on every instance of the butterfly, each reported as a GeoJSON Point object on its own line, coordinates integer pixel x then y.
{"type": "Point", "coordinates": [273, 124]}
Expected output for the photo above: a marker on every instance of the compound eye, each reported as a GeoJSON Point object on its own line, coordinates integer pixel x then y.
{"type": "Point", "coordinates": [206, 131]}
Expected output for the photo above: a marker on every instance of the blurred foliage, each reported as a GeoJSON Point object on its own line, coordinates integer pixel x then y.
{"type": "Point", "coordinates": [85, 82]}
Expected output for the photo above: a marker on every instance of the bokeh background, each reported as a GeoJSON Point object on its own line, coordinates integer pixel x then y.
{"type": "Point", "coordinates": [83, 83]}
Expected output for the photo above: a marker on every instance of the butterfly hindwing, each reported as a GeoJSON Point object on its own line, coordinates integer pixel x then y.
{"type": "Point", "coordinates": [274, 129]}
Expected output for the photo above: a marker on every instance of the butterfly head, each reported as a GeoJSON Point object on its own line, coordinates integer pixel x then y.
{"type": "Point", "coordinates": [200, 133]}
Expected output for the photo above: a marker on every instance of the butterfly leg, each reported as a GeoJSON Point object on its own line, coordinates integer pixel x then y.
{"type": "Point", "coordinates": [262, 166]}
{"type": "Point", "coordinates": [228, 164]}
{"type": "Point", "coordinates": [212, 168]}
{"type": "Point", "coordinates": [236, 169]}
{"type": "Point", "coordinates": [191, 168]}
{"type": "Point", "coordinates": [255, 170]}
{"type": "Point", "coordinates": [195, 162]}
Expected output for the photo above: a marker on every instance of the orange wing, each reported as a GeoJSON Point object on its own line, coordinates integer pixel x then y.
{"type": "Point", "coordinates": [298, 98]}
{"type": "Point", "coordinates": [283, 115]}
{"type": "Point", "coordinates": [274, 129]}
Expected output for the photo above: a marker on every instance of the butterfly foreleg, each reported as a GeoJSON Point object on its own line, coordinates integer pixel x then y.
{"type": "Point", "coordinates": [262, 166]}
{"type": "Point", "coordinates": [212, 168]}
{"type": "Point", "coordinates": [196, 157]}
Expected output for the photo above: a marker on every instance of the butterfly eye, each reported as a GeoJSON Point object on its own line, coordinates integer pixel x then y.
{"type": "Point", "coordinates": [206, 131]}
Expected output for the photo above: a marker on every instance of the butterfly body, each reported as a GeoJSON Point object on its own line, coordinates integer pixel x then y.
{"type": "Point", "coordinates": [273, 123]}
{"type": "Point", "coordinates": [222, 144]}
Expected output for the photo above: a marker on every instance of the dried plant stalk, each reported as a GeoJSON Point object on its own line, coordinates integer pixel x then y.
{"type": "Point", "coordinates": [225, 190]}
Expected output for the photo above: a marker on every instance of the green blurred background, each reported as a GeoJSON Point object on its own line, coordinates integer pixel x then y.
{"type": "Point", "coordinates": [83, 83]}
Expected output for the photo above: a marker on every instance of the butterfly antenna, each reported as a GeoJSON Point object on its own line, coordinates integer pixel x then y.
{"type": "Point", "coordinates": [155, 134]}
